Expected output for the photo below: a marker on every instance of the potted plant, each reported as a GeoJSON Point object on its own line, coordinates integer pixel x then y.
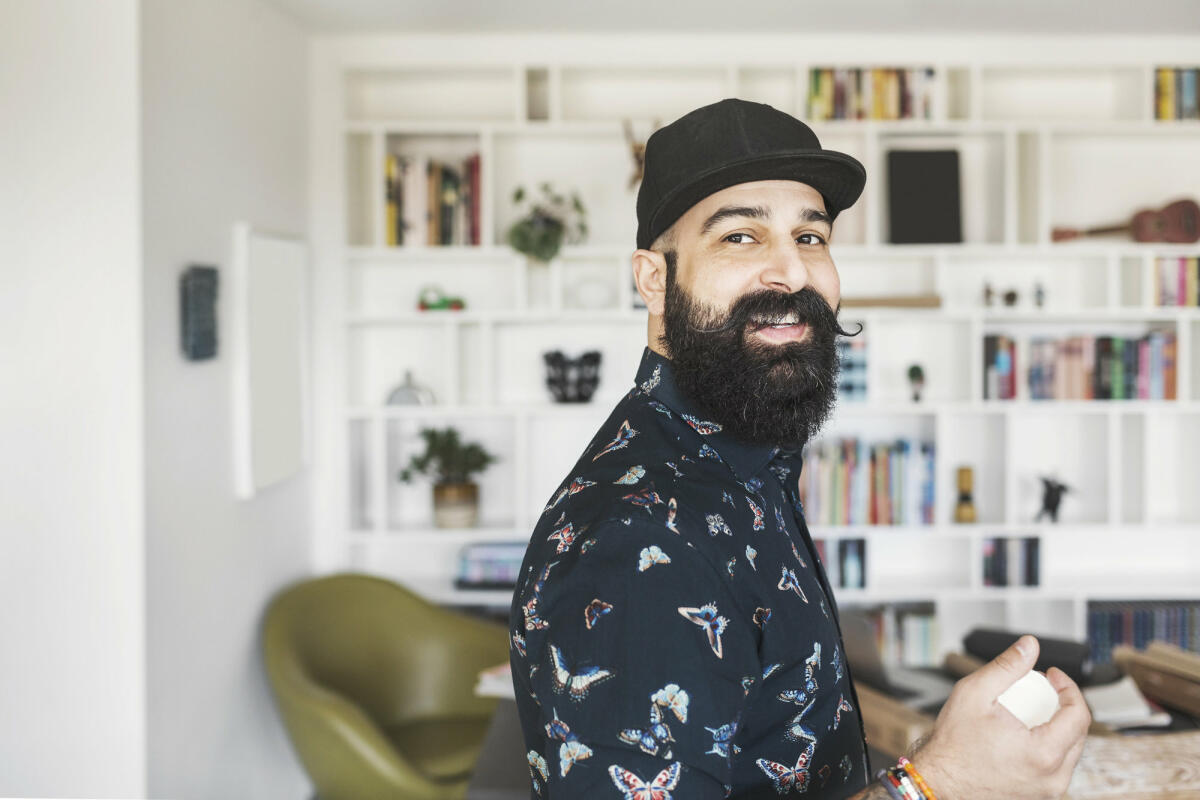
{"type": "Point", "coordinates": [541, 232]}
{"type": "Point", "coordinates": [916, 378]}
{"type": "Point", "coordinates": [450, 463]}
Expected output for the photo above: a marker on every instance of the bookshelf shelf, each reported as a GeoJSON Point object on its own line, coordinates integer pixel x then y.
{"type": "Point", "coordinates": [1037, 140]}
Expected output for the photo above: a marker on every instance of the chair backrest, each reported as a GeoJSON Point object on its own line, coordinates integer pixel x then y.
{"type": "Point", "coordinates": [383, 647]}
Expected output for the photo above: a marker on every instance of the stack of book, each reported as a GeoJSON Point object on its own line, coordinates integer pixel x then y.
{"type": "Point", "coordinates": [864, 93]}
{"type": "Point", "coordinates": [490, 565]}
{"type": "Point", "coordinates": [851, 482]}
{"type": "Point", "coordinates": [1089, 367]}
{"type": "Point", "coordinates": [1176, 93]}
{"type": "Point", "coordinates": [1010, 561]}
{"type": "Point", "coordinates": [1177, 281]}
{"type": "Point", "coordinates": [1114, 623]}
{"type": "Point", "coordinates": [1165, 673]}
{"type": "Point", "coordinates": [431, 201]}
{"type": "Point", "coordinates": [852, 387]}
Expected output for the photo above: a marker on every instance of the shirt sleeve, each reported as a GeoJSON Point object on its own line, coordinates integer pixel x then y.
{"type": "Point", "coordinates": [641, 674]}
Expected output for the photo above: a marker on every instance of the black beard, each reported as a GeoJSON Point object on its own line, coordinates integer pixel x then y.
{"type": "Point", "coordinates": [775, 394]}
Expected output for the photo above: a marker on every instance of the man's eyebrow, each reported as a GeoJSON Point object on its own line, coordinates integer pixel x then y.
{"type": "Point", "coordinates": [759, 212]}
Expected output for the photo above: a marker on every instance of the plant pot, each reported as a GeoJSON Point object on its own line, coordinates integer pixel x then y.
{"type": "Point", "coordinates": [455, 505]}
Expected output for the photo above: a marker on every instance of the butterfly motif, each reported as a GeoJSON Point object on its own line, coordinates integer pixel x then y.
{"type": "Point", "coordinates": [797, 696]}
{"type": "Point", "coordinates": [565, 535]}
{"type": "Point", "coordinates": [594, 611]}
{"type": "Point", "coordinates": [674, 469]}
{"type": "Point", "coordinates": [701, 427]}
{"type": "Point", "coordinates": [519, 643]}
{"type": "Point", "coordinates": [796, 553]}
{"type": "Point", "coordinates": [588, 544]}
{"type": "Point", "coordinates": [846, 767]}
{"type": "Point", "coordinates": [577, 684]}
{"type": "Point", "coordinates": [672, 510]}
{"type": "Point", "coordinates": [779, 520]}
{"type": "Point", "coordinates": [707, 452]}
{"type": "Point", "coordinates": [624, 434]}
{"type": "Point", "coordinates": [557, 729]}
{"type": "Point", "coordinates": [657, 735]}
{"type": "Point", "coordinates": [652, 382]}
{"type": "Point", "coordinates": [837, 661]}
{"type": "Point", "coordinates": [729, 565]}
{"type": "Point", "coordinates": [646, 498]}
{"type": "Point", "coordinates": [751, 554]}
{"type": "Point", "coordinates": [672, 698]}
{"type": "Point", "coordinates": [631, 476]}
{"type": "Point", "coordinates": [717, 524]}
{"type": "Point", "coordinates": [723, 740]}
{"type": "Point", "coordinates": [660, 408]}
{"type": "Point", "coordinates": [753, 485]}
{"type": "Point", "coordinates": [578, 485]}
{"type": "Point", "coordinates": [843, 705]}
{"type": "Point", "coordinates": [726, 497]}
{"type": "Point", "coordinates": [532, 621]}
{"type": "Point", "coordinates": [796, 731]}
{"type": "Point", "coordinates": [758, 514]}
{"type": "Point", "coordinates": [650, 556]}
{"type": "Point", "coordinates": [789, 581]}
{"type": "Point", "coordinates": [706, 617]}
{"type": "Point", "coordinates": [635, 788]}
{"type": "Point", "coordinates": [536, 762]}
{"type": "Point", "coordinates": [747, 682]}
{"type": "Point", "coordinates": [770, 670]}
{"type": "Point", "coordinates": [788, 778]}
{"type": "Point", "coordinates": [571, 753]}
{"type": "Point", "coordinates": [761, 615]}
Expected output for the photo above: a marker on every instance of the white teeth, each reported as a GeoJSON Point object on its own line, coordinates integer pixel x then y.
{"type": "Point", "coordinates": [778, 322]}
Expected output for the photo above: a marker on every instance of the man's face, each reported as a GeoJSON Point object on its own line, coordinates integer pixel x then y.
{"type": "Point", "coordinates": [749, 316]}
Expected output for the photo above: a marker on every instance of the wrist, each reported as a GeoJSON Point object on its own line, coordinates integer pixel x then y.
{"type": "Point", "coordinates": [939, 782]}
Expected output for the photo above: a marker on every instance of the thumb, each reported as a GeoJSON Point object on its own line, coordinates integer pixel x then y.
{"type": "Point", "coordinates": [1008, 667]}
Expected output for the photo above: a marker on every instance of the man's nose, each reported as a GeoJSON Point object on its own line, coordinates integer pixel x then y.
{"type": "Point", "coordinates": [786, 268]}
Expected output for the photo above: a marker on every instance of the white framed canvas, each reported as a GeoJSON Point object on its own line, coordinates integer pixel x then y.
{"type": "Point", "coordinates": [271, 416]}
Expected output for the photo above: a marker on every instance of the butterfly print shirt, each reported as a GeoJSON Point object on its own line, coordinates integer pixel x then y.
{"type": "Point", "coordinates": [673, 633]}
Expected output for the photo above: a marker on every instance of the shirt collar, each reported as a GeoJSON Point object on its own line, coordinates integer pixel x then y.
{"type": "Point", "coordinates": [655, 377]}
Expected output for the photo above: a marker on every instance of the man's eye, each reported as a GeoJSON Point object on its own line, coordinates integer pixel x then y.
{"type": "Point", "coordinates": [727, 238]}
{"type": "Point", "coordinates": [819, 238]}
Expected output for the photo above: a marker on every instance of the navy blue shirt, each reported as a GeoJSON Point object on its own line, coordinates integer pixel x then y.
{"type": "Point", "coordinates": [674, 633]}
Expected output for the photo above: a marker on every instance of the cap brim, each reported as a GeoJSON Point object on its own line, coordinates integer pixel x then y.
{"type": "Point", "coordinates": [839, 178]}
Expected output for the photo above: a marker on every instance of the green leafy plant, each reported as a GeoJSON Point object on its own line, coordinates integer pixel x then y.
{"type": "Point", "coordinates": [447, 458]}
{"type": "Point", "coordinates": [540, 233]}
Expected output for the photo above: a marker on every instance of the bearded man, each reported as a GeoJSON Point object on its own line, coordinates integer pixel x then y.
{"type": "Point", "coordinates": [675, 634]}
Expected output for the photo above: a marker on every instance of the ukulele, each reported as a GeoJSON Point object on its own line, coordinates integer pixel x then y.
{"type": "Point", "coordinates": [1177, 222]}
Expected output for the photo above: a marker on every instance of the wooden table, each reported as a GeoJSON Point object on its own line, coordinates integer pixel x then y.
{"type": "Point", "coordinates": [1162, 766]}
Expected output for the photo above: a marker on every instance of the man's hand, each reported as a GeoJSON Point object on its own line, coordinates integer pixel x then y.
{"type": "Point", "coordinates": [978, 750]}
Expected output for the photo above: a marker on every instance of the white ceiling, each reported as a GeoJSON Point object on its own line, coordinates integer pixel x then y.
{"type": "Point", "coordinates": [735, 16]}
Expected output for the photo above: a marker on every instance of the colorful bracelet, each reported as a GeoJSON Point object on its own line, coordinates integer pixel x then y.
{"type": "Point", "coordinates": [916, 776]}
{"type": "Point", "coordinates": [890, 784]}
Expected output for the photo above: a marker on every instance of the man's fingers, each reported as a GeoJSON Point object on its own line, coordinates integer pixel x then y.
{"type": "Point", "coordinates": [1072, 720]}
{"type": "Point", "coordinates": [1007, 668]}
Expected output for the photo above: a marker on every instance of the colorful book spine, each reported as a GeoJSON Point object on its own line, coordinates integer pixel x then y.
{"type": "Point", "coordinates": [870, 93]}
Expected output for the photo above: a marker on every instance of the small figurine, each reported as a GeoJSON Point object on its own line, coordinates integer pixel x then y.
{"type": "Point", "coordinates": [964, 510]}
{"type": "Point", "coordinates": [1010, 297]}
{"type": "Point", "coordinates": [916, 378]}
{"type": "Point", "coordinates": [1052, 493]}
{"type": "Point", "coordinates": [987, 294]}
{"type": "Point", "coordinates": [1039, 294]}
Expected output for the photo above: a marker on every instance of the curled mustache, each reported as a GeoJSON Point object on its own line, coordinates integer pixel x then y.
{"type": "Point", "coordinates": [809, 307]}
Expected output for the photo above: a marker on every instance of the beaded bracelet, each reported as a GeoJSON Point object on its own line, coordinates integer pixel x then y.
{"type": "Point", "coordinates": [916, 776]}
{"type": "Point", "coordinates": [890, 784]}
{"type": "Point", "coordinates": [903, 782]}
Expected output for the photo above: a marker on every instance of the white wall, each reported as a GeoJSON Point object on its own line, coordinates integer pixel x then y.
{"type": "Point", "coordinates": [72, 683]}
{"type": "Point", "coordinates": [224, 129]}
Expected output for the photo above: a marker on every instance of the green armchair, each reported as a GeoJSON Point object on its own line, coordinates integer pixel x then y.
{"type": "Point", "coordinates": [376, 687]}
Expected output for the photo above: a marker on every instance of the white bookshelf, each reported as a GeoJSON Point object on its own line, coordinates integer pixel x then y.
{"type": "Point", "coordinates": [1038, 139]}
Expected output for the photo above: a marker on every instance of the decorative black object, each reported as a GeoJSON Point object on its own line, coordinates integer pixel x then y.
{"type": "Point", "coordinates": [197, 312]}
{"type": "Point", "coordinates": [1052, 492]}
{"type": "Point", "coordinates": [572, 380]}
{"type": "Point", "coordinates": [924, 199]}
{"type": "Point", "coordinates": [916, 379]}
{"type": "Point", "coordinates": [1010, 297]}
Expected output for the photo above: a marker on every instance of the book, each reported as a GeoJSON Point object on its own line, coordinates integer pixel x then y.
{"type": "Point", "coordinates": [924, 197]}
{"type": "Point", "coordinates": [1121, 704]}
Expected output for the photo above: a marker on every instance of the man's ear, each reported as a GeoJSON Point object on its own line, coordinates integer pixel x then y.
{"type": "Point", "coordinates": [650, 277]}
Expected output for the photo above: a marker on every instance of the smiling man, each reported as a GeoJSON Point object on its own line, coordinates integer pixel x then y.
{"type": "Point", "coordinates": [675, 634]}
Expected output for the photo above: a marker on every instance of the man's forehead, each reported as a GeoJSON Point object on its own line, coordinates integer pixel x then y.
{"type": "Point", "coordinates": [761, 200]}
